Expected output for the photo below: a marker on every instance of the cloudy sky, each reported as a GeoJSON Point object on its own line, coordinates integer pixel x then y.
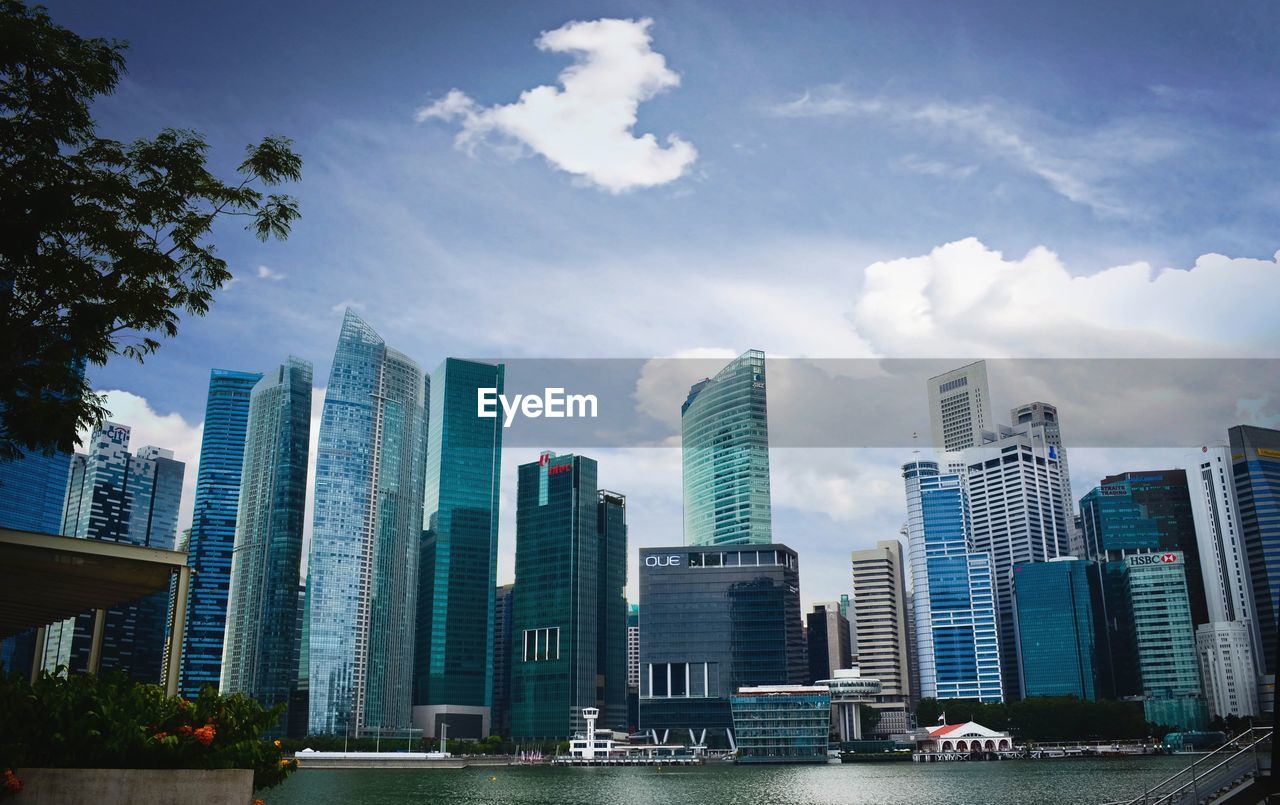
{"type": "Point", "coordinates": [641, 180]}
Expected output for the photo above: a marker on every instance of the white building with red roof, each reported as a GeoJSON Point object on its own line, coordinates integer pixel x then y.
{"type": "Point", "coordinates": [967, 737]}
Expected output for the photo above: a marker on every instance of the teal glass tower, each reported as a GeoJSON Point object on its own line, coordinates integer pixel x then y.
{"type": "Point", "coordinates": [1159, 608]}
{"type": "Point", "coordinates": [1255, 465]}
{"type": "Point", "coordinates": [213, 527]}
{"type": "Point", "coordinates": [458, 565]}
{"type": "Point", "coordinates": [1056, 608]}
{"type": "Point", "coordinates": [260, 652]}
{"type": "Point", "coordinates": [724, 430]}
{"type": "Point", "coordinates": [362, 570]}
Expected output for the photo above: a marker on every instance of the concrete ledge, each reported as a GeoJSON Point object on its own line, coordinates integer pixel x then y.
{"type": "Point", "coordinates": [134, 786]}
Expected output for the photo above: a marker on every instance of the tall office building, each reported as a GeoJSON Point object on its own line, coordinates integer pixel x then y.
{"type": "Point", "coordinates": [1255, 460]}
{"type": "Point", "coordinates": [1159, 611]}
{"type": "Point", "coordinates": [1227, 668]}
{"type": "Point", "coordinates": [830, 645]}
{"type": "Point", "coordinates": [715, 619]}
{"type": "Point", "coordinates": [1018, 509]}
{"type": "Point", "coordinates": [260, 657]}
{"type": "Point", "coordinates": [558, 666]}
{"type": "Point", "coordinates": [458, 566]}
{"type": "Point", "coordinates": [1042, 417]}
{"type": "Point", "coordinates": [213, 527]}
{"type": "Point", "coordinates": [633, 666]}
{"type": "Point", "coordinates": [503, 624]}
{"type": "Point", "coordinates": [880, 621]}
{"type": "Point", "coordinates": [956, 639]}
{"type": "Point", "coordinates": [960, 407]}
{"type": "Point", "coordinates": [362, 570]}
{"type": "Point", "coordinates": [724, 429]}
{"type": "Point", "coordinates": [117, 496]}
{"type": "Point", "coordinates": [1057, 609]}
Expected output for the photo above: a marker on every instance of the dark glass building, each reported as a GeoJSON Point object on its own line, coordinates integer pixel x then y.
{"type": "Point", "coordinates": [715, 618]}
{"type": "Point", "coordinates": [503, 623]}
{"type": "Point", "coordinates": [1255, 463]}
{"type": "Point", "coordinates": [562, 610]}
{"type": "Point", "coordinates": [1056, 609]}
{"type": "Point", "coordinates": [830, 647]}
{"type": "Point", "coordinates": [458, 562]}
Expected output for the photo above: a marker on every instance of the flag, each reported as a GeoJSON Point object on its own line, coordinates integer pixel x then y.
{"type": "Point", "coordinates": [942, 719]}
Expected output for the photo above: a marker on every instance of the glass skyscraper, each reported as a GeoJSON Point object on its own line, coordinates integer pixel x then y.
{"type": "Point", "coordinates": [263, 614]}
{"type": "Point", "coordinates": [453, 673]}
{"type": "Point", "coordinates": [957, 641]}
{"type": "Point", "coordinates": [116, 496]}
{"type": "Point", "coordinates": [1255, 460]}
{"type": "Point", "coordinates": [1159, 609]}
{"type": "Point", "coordinates": [1056, 606]}
{"type": "Point", "coordinates": [362, 569]}
{"type": "Point", "coordinates": [33, 489]}
{"type": "Point", "coordinates": [611, 604]}
{"type": "Point", "coordinates": [724, 429]}
{"type": "Point", "coordinates": [213, 527]}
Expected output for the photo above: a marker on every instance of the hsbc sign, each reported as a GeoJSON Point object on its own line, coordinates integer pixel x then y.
{"type": "Point", "coordinates": [668, 560]}
{"type": "Point", "coordinates": [1144, 559]}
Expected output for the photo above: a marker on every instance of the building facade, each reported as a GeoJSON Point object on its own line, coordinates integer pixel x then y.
{"type": "Point", "coordinates": [879, 607]}
{"type": "Point", "coordinates": [363, 564]}
{"type": "Point", "coordinates": [1255, 466]}
{"type": "Point", "coordinates": [264, 612]}
{"type": "Point", "coordinates": [458, 566]}
{"type": "Point", "coordinates": [633, 666]}
{"type": "Point", "coordinates": [611, 604]}
{"type": "Point", "coordinates": [724, 429]}
{"type": "Point", "coordinates": [715, 619]}
{"type": "Point", "coordinates": [1227, 668]}
{"type": "Point", "coordinates": [503, 623]}
{"type": "Point", "coordinates": [782, 723]}
{"type": "Point", "coordinates": [1159, 606]}
{"type": "Point", "coordinates": [1057, 608]}
{"type": "Point", "coordinates": [830, 641]}
{"type": "Point", "coordinates": [960, 407]}
{"type": "Point", "coordinates": [1042, 417]}
{"type": "Point", "coordinates": [957, 647]}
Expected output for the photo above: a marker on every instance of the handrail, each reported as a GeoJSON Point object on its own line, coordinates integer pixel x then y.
{"type": "Point", "coordinates": [1190, 769]}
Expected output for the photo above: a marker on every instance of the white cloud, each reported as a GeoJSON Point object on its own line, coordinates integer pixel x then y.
{"type": "Point", "coordinates": [585, 127]}
{"type": "Point", "coordinates": [265, 273]}
{"type": "Point", "coordinates": [342, 306]}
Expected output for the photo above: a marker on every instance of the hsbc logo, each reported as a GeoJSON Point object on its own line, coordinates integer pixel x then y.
{"type": "Point", "coordinates": [1169, 558]}
{"type": "Point", "coordinates": [670, 560]}
{"type": "Point", "coordinates": [1146, 559]}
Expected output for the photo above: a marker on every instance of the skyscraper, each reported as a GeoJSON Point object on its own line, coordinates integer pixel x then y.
{"type": "Point", "coordinates": [880, 621]}
{"type": "Point", "coordinates": [611, 604]}
{"type": "Point", "coordinates": [960, 407]}
{"type": "Point", "coordinates": [957, 642]}
{"type": "Point", "coordinates": [1018, 510]}
{"type": "Point", "coordinates": [561, 553]}
{"type": "Point", "coordinates": [1227, 668]}
{"type": "Point", "coordinates": [1159, 609]}
{"type": "Point", "coordinates": [1255, 459]}
{"type": "Point", "coordinates": [724, 429]}
{"type": "Point", "coordinates": [33, 491]}
{"type": "Point", "coordinates": [261, 644]}
{"type": "Point", "coordinates": [1056, 612]}
{"type": "Point", "coordinates": [116, 496]}
{"type": "Point", "coordinates": [503, 623]}
{"type": "Point", "coordinates": [362, 572]}
{"type": "Point", "coordinates": [829, 638]}
{"type": "Point", "coordinates": [1043, 417]}
{"type": "Point", "coordinates": [633, 666]}
{"type": "Point", "coordinates": [213, 527]}
{"type": "Point", "coordinates": [457, 574]}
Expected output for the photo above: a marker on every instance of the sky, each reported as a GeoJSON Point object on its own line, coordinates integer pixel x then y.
{"type": "Point", "coordinates": [654, 180]}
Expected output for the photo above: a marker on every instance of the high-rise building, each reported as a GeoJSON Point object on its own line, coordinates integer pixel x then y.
{"type": "Point", "coordinates": [116, 496]}
{"type": "Point", "coordinates": [1227, 668]}
{"type": "Point", "coordinates": [557, 665]}
{"type": "Point", "coordinates": [957, 651]}
{"type": "Point", "coordinates": [213, 527]}
{"type": "Point", "coordinates": [1056, 612]}
{"type": "Point", "coordinates": [362, 570]}
{"type": "Point", "coordinates": [1042, 417]}
{"type": "Point", "coordinates": [33, 490]}
{"type": "Point", "coordinates": [1255, 460]}
{"type": "Point", "coordinates": [633, 666]}
{"type": "Point", "coordinates": [724, 428]}
{"type": "Point", "coordinates": [458, 566]}
{"type": "Point", "coordinates": [1018, 509]}
{"type": "Point", "coordinates": [880, 621]}
{"type": "Point", "coordinates": [503, 624]}
{"type": "Point", "coordinates": [828, 635]}
{"type": "Point", "coordinates": [715, 619]}
{"type": "Point", "coordinates": [1159, 609]}
{"type": "Point", "coordinates": [300, 698]}
{"type": "Point", "coordinates": [960, 407]}
{"type": "Point", "coordinates": [260, 657]}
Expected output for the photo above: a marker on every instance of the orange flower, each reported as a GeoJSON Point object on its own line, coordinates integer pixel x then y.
{"type": "Point", "coordinates": [160, 736]}
{"type": "Point", "coordinates": [205, 734]}
{"type": "Point", "coordinates": [277, 743]}
{"type": "Point", "coordinates": [184, 730]}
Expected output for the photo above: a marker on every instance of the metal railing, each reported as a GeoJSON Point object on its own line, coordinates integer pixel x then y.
{"type": "Point", "coordinates": [1211, 774]}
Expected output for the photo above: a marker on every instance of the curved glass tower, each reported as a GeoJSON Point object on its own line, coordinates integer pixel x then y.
{"type": "Point", "coordinates": [363, 564]}
{"type": "Point", "coordinates": [724, 428]}
{"type": "Point", "coordinates": [259, 657]}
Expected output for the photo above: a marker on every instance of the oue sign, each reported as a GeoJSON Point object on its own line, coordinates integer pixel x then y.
{"type": "Point", "coordinates": [671, 560]}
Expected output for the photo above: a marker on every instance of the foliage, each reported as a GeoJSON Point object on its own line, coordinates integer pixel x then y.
{"type": "Point", "coordinates": [103, 245]}
{"type": "Point", "coordinates": [1046, 718]}
{"type": "Point", "coordinates": [87, 722]}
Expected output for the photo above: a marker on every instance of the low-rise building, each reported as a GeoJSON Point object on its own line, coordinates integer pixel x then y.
{"type": "Point", "coordinates": [782, 723]}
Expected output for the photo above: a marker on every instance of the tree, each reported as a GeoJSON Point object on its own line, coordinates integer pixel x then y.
{"type": "Point", "coordinates": [103, 245]}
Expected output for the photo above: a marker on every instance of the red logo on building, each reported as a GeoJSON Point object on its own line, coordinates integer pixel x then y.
{"type": "Point", "coordinates": [1169, 558]}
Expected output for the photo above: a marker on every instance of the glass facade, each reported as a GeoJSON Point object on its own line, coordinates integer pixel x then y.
{"type": "Point", "coordinates": [362, 569]}
{"type": "Point", "coordinates": [213, 526]}
{"type": "Point", "coordinates": [458, 564]}
{"type": "Point", "coordinates": [1255, 464]}
{"type": "Point", "coordinates": [263, 616]}
{"type": "Point", "coordinates": [1156, 587]}
{"type": "Point", "coordinates": [957, 642]}
{"type": "Point", "coordinates": [1056, 607]}
{"type": "Point", "coordinates": [713, 620]}
{"type": "Point", "coordinates": [33, 489]}
{"type": "Point", "coordinates": [724, 428]}
{"type": "Point", "coordinates": [786, 724]}
{"type": "Point", "coordinates": [569, 596]}
{"type": "Point", "coordinates": [503, 624]}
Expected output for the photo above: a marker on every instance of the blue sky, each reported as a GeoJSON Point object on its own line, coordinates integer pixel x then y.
{"type": "Point", "coordinates": [901, 180]}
